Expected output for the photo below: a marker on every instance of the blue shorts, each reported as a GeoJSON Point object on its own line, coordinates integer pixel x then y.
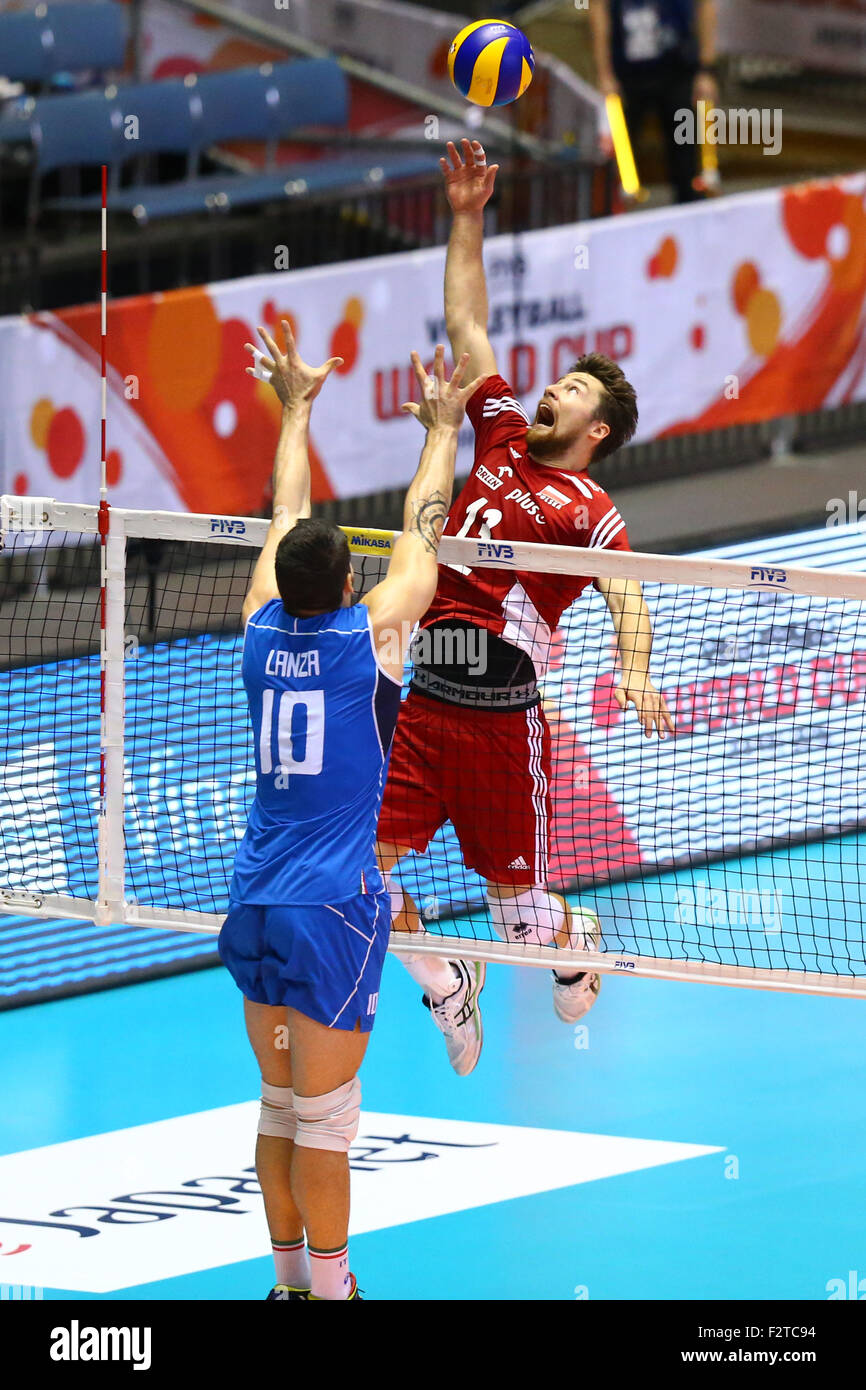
{"type": "Point", "coordinates": [325, 961]}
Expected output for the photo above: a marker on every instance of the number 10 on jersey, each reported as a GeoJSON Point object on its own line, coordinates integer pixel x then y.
{"type": "Point", "coordinates": [300, 729]}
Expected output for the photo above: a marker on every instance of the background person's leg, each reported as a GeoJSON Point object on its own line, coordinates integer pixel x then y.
{"type": "Point", "coordinates": [673, 96]}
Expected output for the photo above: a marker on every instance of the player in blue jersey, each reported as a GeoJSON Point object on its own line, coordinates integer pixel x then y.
{"type": "Point", "coordinates": [309, 921]}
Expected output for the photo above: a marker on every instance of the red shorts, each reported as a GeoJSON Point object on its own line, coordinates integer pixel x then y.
{"type": "Point", "coordinates": [486, 772]}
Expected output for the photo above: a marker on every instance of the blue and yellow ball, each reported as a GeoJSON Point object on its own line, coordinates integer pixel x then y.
{"type": "Point", "coordinates": [491, 62]}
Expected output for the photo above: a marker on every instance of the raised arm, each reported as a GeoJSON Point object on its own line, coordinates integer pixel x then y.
{"type": "Point", "coordinates": [468, 185]}
{"type": "Point", "coordinates": [406, 592]}
{"type": "Point", "coordinates": [634, 639]}
{"type": "Point", "coordinates": [296, 385]}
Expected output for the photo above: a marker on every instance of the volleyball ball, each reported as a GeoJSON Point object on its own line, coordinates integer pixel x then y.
{"type": "Point", "coordinates": [491, 62]}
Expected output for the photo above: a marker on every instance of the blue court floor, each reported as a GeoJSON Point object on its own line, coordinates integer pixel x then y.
{"type": "Point", "coordinates": [752, 1188]}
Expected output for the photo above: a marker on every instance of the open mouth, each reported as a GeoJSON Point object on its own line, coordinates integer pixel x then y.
{"type": "Point", "coordinates": [544, 414]}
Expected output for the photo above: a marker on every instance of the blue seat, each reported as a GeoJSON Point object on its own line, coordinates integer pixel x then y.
{"type": "Point", "coordinates": [272, 101]}
{"type": "Point", "coordinates": [81, 129]}
{"type": "Point", "coordinates": [240, 104]}
{"type": "Point", "coordinates": [87, 36]}
{"type": "Point", "coordinates": [313, 92]}
{"type": "Point", "coordinates": [158, 117]}
{"type": "Point", "coordinates": [64, 38]}
{"type": "Point", "coordinates": [24, 45]}
{"type": "Point", "coordinates": [221, 193]}
{"type": "Point", "coordinates": [187, 115]}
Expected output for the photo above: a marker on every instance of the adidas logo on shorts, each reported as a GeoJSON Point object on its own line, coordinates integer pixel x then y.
{"type": "Point", "coordinates": [519, 863]}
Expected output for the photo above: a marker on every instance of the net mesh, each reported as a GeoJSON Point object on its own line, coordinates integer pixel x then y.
{"type": "Point", "coordinates": [49, 792]}
{"type": "Point", "coordinates": [741, 841]}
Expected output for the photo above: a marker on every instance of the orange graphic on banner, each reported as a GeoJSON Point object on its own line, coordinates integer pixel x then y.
{"type": "Point", "coordinates": [822, 222]}
{"type": "Point", "coordinates": [216, 426]}
{"type": "Point", "coordinates": [664, 263]}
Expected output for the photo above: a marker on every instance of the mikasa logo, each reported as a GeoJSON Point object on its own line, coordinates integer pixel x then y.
{"type": "Point", "coordinates": [76, 1343]}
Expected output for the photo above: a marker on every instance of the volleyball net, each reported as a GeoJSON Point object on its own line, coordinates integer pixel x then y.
{"type": "Point", "coordinates": [734, 852]}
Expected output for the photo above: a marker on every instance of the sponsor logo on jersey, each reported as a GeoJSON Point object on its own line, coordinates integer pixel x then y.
{"type": "Point", "coordinates": [514, 454]}
{"type": "Point", "coordinates": [553, 497]}
{"type": "Point", "coordinates": [227, 526]}
{"type": "Point", "coordinates": [487, 478]}
{"type": "Point", "coordinates": [525, 501]}
{"type": "Point", "coordinates": [518, 863]}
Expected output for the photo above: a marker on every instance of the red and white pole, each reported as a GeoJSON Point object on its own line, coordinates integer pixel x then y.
{"type": "Point", "coordinates": [103, 491]}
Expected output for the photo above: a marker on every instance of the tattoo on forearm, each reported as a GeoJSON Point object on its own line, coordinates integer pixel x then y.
{"type": "Point", "coordinates": [428, 518]}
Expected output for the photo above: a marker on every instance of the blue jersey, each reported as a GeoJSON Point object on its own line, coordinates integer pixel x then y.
{"type": "Point", "coordinates": [647, 33]}
{"type": "Point", "coordinates": [323, 714]}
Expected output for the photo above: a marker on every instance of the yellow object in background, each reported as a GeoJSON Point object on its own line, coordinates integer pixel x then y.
{"type": "Point", "coordinates": [708, 180]}
{"type": "Point", "coordinates": [622, 149]}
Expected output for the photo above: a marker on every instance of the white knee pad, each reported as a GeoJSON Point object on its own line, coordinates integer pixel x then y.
{"type": "Point", "coordinates": [329, 1121]}
{"type": "Point", "coordinates": [533, 918]}
{"type": "Point", "coordinates": [277, 1115]}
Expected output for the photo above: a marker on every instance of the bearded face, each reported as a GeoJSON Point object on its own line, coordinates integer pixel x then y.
{"type": "Point", "coordinates": [565, 415]}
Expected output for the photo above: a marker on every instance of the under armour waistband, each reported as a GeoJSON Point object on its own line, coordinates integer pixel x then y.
{"type": "Point", "coordinates": [497, 697]}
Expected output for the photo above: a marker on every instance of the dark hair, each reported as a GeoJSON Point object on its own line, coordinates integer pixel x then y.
{"type": "Point", "coordinates": [312, 565]}
{"type": "Point", "coordinates": [618, 404]}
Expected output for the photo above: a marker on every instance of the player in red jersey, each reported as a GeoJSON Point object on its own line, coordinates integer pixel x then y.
{"type": "Point", "coordinates": [472, 744]}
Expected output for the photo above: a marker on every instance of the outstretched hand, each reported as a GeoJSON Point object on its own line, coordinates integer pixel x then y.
{"type": "Point", "coordinates": [444, 402]}
{"type": "Point", "coordinates": [291, 377]}
{"type": "Point", "coordinates": [468, 180]}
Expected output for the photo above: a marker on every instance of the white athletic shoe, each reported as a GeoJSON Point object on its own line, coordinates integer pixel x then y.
{"type": "Point", "coordinates": [458, 1017]}
{"type": "Point", "coordinates": [574, 998]}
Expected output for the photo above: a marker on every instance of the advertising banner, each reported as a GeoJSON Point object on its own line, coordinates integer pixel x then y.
{"type": "Point", "coordinates": [828, 35]}
{"type": "Point", "coordinates": [720, 314]}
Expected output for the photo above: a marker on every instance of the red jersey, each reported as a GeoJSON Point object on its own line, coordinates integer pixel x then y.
{"type": "Point", "coordinates": [509, 496]}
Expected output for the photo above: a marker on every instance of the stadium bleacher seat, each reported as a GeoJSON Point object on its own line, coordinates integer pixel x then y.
{"type": "Point", "coordinates": [122, 126]}
{"type": "Point", "coordinates": [91, 128]}
{"type": "Point", "coordinates": [35, 46]}
{"type": "Point", "coordinates": [251, 103]}
{"type": "Point", "coordinates": [219, 193]}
